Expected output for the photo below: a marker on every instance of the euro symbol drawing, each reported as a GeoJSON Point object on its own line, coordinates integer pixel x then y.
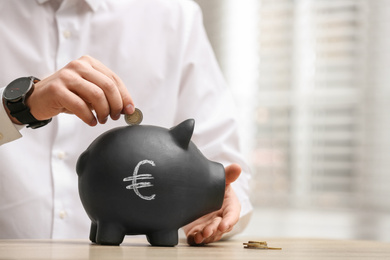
{"type": "Point", "coordinates": [135, 186]}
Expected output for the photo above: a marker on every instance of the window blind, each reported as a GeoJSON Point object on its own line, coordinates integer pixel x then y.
{"type": "Point", "coordinates": [315, 106]}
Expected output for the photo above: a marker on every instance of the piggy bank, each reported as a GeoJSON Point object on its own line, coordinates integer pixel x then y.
{"type": "Point", "coordinates": [148, 180]}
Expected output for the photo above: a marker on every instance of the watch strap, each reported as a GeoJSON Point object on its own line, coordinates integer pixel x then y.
{"type": "Point", "coordinates": [23, 114]}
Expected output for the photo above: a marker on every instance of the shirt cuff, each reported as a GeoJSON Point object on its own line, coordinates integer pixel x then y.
{"type": "Point", "coordinates": [8, 130]}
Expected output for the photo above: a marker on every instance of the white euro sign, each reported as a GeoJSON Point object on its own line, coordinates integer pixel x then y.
{"type": "Point", "coordinates": [135, 186]}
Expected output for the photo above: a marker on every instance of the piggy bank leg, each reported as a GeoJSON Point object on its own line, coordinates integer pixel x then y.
{"type": "Point", "coordinates": [92, 233]}
{"type": "Point", "coordinates": [163, 238]}
{"type": "Point", "coordinates": [109, 234]}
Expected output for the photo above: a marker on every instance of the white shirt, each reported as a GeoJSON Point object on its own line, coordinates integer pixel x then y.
{"type": "Point", "coordinates": [160, 51]}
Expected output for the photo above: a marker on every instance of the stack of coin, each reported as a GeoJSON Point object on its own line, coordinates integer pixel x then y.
{"type": "Point", "coordinates": [135, 118]}
{"type": "Point", "coordinates": [259, 245]}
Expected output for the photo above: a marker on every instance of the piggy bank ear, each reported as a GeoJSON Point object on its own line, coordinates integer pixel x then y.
{"type": "Point", "coordinates": [182, 133]}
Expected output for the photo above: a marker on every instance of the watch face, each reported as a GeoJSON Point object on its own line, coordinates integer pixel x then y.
{"type": "Point", "coordinates": [17, 89]}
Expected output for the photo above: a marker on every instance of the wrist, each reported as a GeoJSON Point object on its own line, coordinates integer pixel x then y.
{"type": "Point", "coordinates": [15, 98]}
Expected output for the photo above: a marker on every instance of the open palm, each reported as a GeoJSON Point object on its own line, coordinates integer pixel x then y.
{"type": "Point", "coordinates": [212, 226]}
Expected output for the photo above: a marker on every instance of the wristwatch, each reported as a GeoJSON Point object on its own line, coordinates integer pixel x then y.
{"type": "Point", "coordinates": [14, 97]}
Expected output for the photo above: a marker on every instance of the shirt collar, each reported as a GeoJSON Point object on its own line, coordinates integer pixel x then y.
{"type": "Point", "coordinates": [93, 4]}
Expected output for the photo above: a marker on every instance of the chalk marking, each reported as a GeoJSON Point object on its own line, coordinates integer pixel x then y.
{"type": "Point", "coordinates": [135, 186]}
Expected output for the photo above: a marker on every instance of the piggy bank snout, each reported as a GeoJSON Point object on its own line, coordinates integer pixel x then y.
{"type": "Point", "coordinates": [217, 184]}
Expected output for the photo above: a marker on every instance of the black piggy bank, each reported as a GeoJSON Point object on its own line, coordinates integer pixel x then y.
{"type": "Point", "coordinates": [147, 180]}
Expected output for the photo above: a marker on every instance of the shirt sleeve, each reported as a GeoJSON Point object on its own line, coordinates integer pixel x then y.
{"type": "Point", "coordinates": [8, 130]}
{"type": "Point", "coordinates": [205, 96]}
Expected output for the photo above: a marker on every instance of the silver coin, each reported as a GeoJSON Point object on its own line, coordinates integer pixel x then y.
{"type": "Point", "coordinates": [135, 118]}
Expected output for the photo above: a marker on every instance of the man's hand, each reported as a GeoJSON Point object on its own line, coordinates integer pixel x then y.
{"type": "Point", "coordinates": [81, 87]}
{"type": "Point", "coordinates": [211, 227]}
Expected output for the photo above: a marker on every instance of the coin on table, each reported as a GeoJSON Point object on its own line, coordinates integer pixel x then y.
{"type": "Point", "coordinates": [255, 245]}
{"type": "Point", "coordinates": [259, 245]}
{"type": "Point", "coordinates": [135, 118]}
{"type": "Point", "coordinates": [257, 242]}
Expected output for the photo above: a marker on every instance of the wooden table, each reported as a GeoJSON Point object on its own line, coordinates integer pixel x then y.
{"type": "Point", "coordinates": [138, 248]}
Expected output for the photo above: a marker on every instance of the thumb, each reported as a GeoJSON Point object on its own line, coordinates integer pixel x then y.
{"type": "Point", "coordinates": [232, 172]}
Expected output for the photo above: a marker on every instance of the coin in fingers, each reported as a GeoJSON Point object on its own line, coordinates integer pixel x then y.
{"type": "Point", "coordinates": [135, 118]}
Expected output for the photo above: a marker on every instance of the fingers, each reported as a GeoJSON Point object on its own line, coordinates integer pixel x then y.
{"type": "Point", "coordinates": [81, 87]}
{"type": "Point", "coordinates": [211, 227]}
{"type": "Point", "coordinates": [230, 217]}
{"type": "Point", "coordinates": [127, 103]}
{"type": "Point", "coordinates": [75, 105]}
{"type": "Point", "coordinates": [97, 100]}
{"type": "Point", "coordinates": [209, 234]}
{"type": "Point", "coordinates": [219, 226]}
{"type": "Point", "coordinates": [103, 89]}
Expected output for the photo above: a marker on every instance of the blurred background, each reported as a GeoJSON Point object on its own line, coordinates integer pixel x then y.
{"type": "Point", "coordinates": [312, 83]}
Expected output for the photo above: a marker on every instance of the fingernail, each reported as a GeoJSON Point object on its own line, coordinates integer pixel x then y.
{"type": "Point", "coordinates": [116, 117]}
{"type": "Point", "coordinates": [199, 242]}
{"type": "Point", "coordinates": [104, 120]}
{"type": "Point", "coordinates": [93, 122]}
{"type": "Point", "coordinates": [129, 109]}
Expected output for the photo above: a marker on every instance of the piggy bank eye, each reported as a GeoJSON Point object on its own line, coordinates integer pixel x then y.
{"type": "Point", "coordinates": [140, 177]}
